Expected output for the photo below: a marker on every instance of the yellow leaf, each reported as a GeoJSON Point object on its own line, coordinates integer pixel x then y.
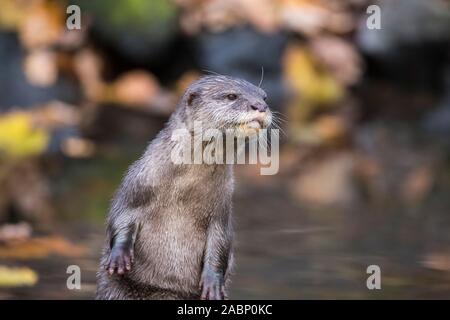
{"type": "Point", "coordinates": [11, 14]}
{"type": "Point", "coordinates": [310, 79]}
{"type": "Point", "coordinates": [17, 277]}
{"type": "Point", "coordinates": [19, 138]}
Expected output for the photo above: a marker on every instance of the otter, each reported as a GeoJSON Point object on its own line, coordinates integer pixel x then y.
{"type": "Point", "coordinates": [169, 228]}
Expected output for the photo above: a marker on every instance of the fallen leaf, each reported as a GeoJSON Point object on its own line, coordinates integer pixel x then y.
{"type": "Point", "coordinates": [417, 184]}
{"type": "Point", "coordinates": [135, 88]}
{"type": "Point", "coordinates": [437, 261]}
{"type": "Point", "coordinates": [219, 15]}
{"type": "Point", "coordinates": [311, 17]}
{"type": "Point", "coordinates": [15, 232]}
{"type": "Point", "coordinates": [308, 78]}
{"type": "Point", "coordinates": [339, 57]}
{"type": "Point", "coordinates": [40, 248]}
{"type": "Point", "coordinates": [40, 68]}
{"type": "Point", "coordinates": [330, 128]}
{"type": "Point", "coordinates": [88, 67]}
{"type": "Point", "coordinates": [262, 14]}
{"type": "Point", "coordinates": [78, 147]}
{"type": "Point", "coordinates": [17, 277]}
{"type": "Point", "coordinates": [12, 14]}
{"type": "Point", "coordinates": [42, 25]}
{"type": "Point", "coordinates": [56, 114]}
{"type": "Point", "coordinates": [19, 137]}
{"type": "Point", "coordinates": [306, 17]}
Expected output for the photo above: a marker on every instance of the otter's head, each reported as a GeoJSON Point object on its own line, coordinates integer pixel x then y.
{"type": "Point", "coordinates": [223, 102]}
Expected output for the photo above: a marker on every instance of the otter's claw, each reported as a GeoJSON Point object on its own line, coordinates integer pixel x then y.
{"type": "Point", "coordinates": [212, 286]}
{"type": "Point", "coordinates": [120, 260]}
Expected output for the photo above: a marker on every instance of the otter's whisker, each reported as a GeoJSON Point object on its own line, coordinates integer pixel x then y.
{"type": "Point", "coordinates": [276, 125]}
{"type": "Point", "coordinates": [212, 72]}
{"type": "Point", "coordinates": [279, 116]}
{"type": "Point", "coordinates": [262, 77]}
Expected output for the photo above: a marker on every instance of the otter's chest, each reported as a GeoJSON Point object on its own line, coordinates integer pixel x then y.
{"type": "Point", "coordinates": [200, 188]}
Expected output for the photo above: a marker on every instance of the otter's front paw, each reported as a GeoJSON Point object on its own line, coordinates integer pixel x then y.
{"type": "Point", "coordinates": [212, 286]}
{"type": "Point", "coordinates": [120, 260]}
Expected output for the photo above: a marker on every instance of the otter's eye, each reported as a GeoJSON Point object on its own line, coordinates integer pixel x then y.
{"type": "Point", "coordinates": [265, 98]}
{"type": "Point", "coordinates": [231, 96]}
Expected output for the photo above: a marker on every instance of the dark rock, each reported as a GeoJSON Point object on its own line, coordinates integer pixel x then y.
{"type": "Point", "coordinates": [142, 33]}
{"type": "Point", "coordinates": [406, 22]}
{"type": "Point", "coordinates": [411, 47]}
{"type": "Point", "coordinates": [243, 52]}
{"type": "Point", "coordinates": [15, 90]}
{"type": "Point", "coordinates": [437, 122]}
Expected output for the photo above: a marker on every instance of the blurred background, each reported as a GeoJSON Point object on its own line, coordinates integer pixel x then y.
{"type": "Point", "coordinates": [365, 168]}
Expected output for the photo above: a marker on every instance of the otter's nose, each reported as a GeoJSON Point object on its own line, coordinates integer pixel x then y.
{"type": "Point", "coordinates": [259, 106]}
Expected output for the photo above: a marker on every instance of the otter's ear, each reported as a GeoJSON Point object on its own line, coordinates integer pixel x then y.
{"type": "Point", "coordinates": [191, 97]}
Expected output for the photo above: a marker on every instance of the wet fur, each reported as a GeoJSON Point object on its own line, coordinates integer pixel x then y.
{"type": "Point", "coordinates": [177, 218]}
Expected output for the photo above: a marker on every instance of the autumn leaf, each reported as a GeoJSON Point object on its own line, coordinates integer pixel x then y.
{"type": "Point", "coordinates": [437, 261]}
{"type": "Point", "coordinates": [19, 138]}
{"type": "Point", "coordinates": [135, 88]}
{"type": "Point", "coordinates": [340, 57]}
{"type": "Point", "coordinates": [329, 128]}
{"type": "Point", "coordinates": [40, 248]}
{"type": "Point", "coordinates": [15, 232]}
{"type": "Point", "coordinates": [313, 82]}
{"type": "Point", "coordinates": [40, 68]}
{"type": "Point", "coordinates": [311, 17]}
{"type": "Point", "coordinates": [78, 147]}
{"type": "Point", "coordinates": [17, 277]}
{"type": "Point", "coordinates": [43, 24]}
{"type": "Point", "coordinates": [11, 15]}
